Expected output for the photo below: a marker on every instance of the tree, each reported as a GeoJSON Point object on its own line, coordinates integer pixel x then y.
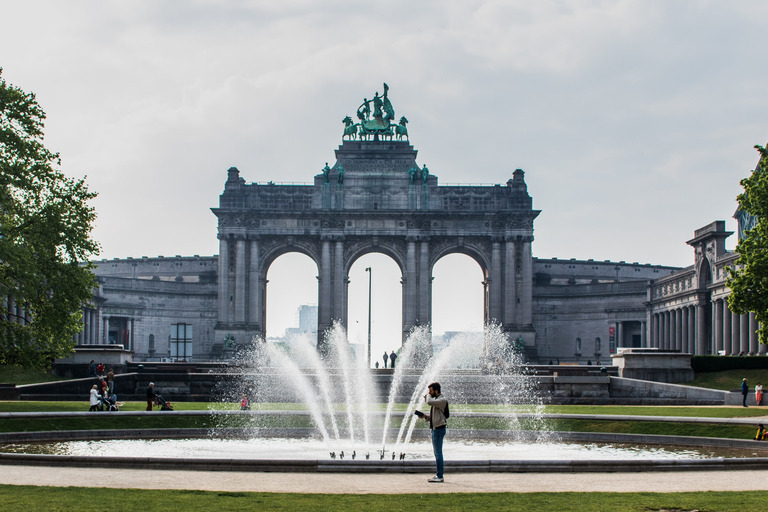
{"type": "Point", "coordinates": [45, 234]}
{"type": "Point", "coordinates": [748, 281]}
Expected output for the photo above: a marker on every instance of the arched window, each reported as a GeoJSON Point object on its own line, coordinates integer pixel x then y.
{"type": "Point", "coordinates": [151, 345]}
{"type": "Point", "coordinates": [578, 347]}
{"type": "Point", "coordinates": [597, 346]}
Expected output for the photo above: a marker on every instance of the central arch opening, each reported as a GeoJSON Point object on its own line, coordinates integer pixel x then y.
{"type": "Point", "coordinates": [386, 295]}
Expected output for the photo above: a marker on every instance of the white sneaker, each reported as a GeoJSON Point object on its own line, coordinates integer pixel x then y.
{"type": "Point", "coordinates": [435, 479]}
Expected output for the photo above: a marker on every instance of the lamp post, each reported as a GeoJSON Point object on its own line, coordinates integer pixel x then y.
{"type": "Point", "coordinates": [370, 276]}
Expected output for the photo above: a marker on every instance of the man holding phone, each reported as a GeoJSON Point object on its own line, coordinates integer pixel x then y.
{"type": "Point", "coordinates": [437, 423]}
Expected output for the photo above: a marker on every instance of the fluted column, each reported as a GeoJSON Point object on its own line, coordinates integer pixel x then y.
{"type": "Point", "coordinates": [727, 340]}
{"type": "Point", "coordinates": [105, 330]}
{"type": "Point", "coordinates": [674, 334]}
{"type": "Point", "coordinates": [735, 332]}
{"type": "Point", "coordinates": [324, 310]}
{"type": "Point", "coordinates": [495, 297]}
{"type": "Point", "coordinates": [339, 282]}
{"type": "Point", "coordinates": [94, 327]}
{"type": "Point", "coordinates": [643, 334]}
{"type": "Point", "coordinates": [223, 279]}
{"type": "Point", "coordinates": [718, 306]}
{"type": "Point", "coordinates": [425, 284]}
{"type": "Point", "coordinates": [701, 331]}
{"type": "Point", "coordinates": [754, 341]}
{"type": "Point", "coordinates": [254, 291]}
{"type": "Point", "coordinates": [527, 285]}
{"type": "Point", "coordinates": [131, 338]}
{"type": "Point", "coordinates": [668, 330]}
{"type": "Point", "coordinates": [409, 290]}
{"type": "Point", "coordinates": [684, 330]}
{"type": "Point", "coordinates": [510, 295]}
{"type": "Point", "coordinates": [240, 280]}
{"type": "Point", "coordinates": [746, 346]}
{"type": "Point", "coordinates": [691, 330]}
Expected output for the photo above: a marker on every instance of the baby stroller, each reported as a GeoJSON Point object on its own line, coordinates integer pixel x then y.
{"type": "Point", "coordinates": [164, 405]}
{"type": "Point", "coordinates": [110, 403]}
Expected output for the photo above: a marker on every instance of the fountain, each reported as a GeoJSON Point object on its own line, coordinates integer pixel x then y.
{"type": "Point", "coordinates": [325, 410]}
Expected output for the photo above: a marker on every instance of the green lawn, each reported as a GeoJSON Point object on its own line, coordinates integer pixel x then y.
{"type": "Point", "coordinates": [25, 498]}
{"type": "Point", "coordinates": [17, 375]}
{"type": "Point", "coordinates": [730, 379]}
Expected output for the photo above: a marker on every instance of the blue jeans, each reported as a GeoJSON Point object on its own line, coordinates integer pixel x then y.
{"type": "Point", "coordinates": [437, 446]}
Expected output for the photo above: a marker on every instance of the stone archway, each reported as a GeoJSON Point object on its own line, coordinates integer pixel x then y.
{"type": "Point", "coordinates": [374, 197]}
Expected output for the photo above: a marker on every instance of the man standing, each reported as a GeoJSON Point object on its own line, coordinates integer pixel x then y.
{"type": "Point", "coordinates": [386, 358]}
{"type": "Point", "coordinates": [150, 395]}
{"type": "Point", "coordinates": [437, 424]}
{"type": "Point", "coordinates": [744, 391]}
{"type": "Point", "coordinates": [392, 358]}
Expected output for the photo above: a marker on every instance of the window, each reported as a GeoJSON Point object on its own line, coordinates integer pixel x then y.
{"type": "Point", "coordinates": [151, 345]}
{"type": "Point", "coordinates": [597, 346]}
{"type": "Point", "coordinates": [181, 341]}
{"type": "Point", "coordinates": [578, 347]}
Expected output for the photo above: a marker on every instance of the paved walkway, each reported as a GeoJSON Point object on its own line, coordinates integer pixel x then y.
{"type": "Point", "coordinates": [388, 483]}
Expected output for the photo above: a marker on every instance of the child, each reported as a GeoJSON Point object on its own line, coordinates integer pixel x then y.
{"type": "Point", "coordinates": [761, 434]}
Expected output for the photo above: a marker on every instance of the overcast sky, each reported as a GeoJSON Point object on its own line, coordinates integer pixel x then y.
{"type": "Point", "coordinates": [633, 120]}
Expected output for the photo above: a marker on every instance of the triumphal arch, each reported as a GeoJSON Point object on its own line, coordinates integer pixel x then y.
{"type": "Point", "coordinates": [374, 198]}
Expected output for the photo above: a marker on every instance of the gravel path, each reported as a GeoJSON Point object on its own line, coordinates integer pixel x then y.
{"type": "Point", "coordinates": [389, 483]}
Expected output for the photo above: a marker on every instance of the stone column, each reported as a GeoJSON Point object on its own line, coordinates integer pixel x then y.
{"type": "Point", "coordinates": [94, 322]}
{"type": "Point", "coordinates": [131, 338]}
{"type": "Point", "coordinates": [735, 332]}
{"type": "Point", "coordinates": [684, 330]}
{"type": "Point", "coordinates": [643, 334]}
{"type": "Point", "coordinates": [495, 297]}
{"type": "Point", "coordinates": [254, 291]}
{"type": "Point", "coordinates": [85, 319]}
{"type": "Point", "coordinates": [324, 307]}
{"type": "Point", "coordinates": [339, 282]}
{"type": "Point", "coordinates": [746, 346]}
{"type": "Point", "coordinates": [425, 285]}
{"type": "Point", "coordinates": [701, 330]}
{"type": "Point", "coordinates": [667, 330]}
{"type": "Point", "coordinates": [223, 279]}
{"type": "Point", "coordinates": [619, 334]}
{"type": "Point", "coordinates": [510, 295]}
{"type": "Point", "coordinates": [718, 306]}
{"type": "Point", "coordinates": [527, 285]}
{"type": "Point", "coordinates": [674, 334]}
{"type": "Point", "coordinates": [727, 339]}
{"type": "Point", "coordinates": [691, 330]}
{"type": "Point", "coordinates": [240, 280]}
{"type": "Point", "coordinates": [409, 290]}
{"type": "Point", "coordinates": [662, 330]}
{"type": "Point", "coordinates": [105, 331]}
{"type": "Point", "coordinates": [754, 341]}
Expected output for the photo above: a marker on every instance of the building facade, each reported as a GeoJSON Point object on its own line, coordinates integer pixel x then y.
{"type": "Point", "coordinates": [376, 198]}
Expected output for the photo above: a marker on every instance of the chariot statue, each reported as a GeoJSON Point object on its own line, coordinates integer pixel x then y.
{"type": "Point", "coordinates": [376, 120]}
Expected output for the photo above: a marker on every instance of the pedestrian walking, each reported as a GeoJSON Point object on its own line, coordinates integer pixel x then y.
{"type": "Point", "coordinates": [386, 358]}
{"type": "Point", "coordinates": [392, 358]}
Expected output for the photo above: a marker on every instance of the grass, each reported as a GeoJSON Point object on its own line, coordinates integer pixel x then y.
{"type": "Point", "coordinates": [729, 379]}
{"type": "Point", "coordinates": [18, 375]}
{"type": "Point", "coordinates": [24, 498]}
{"type": "Point", "coordinates": [107, 421]}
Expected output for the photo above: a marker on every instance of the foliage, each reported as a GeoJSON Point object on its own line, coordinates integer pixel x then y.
{"type": "Point", "coordinates": [720, 363]}
{"type": "Point", "coordinates": [45, 226]}
{"type": "Point", "coordinates": [749, 280]}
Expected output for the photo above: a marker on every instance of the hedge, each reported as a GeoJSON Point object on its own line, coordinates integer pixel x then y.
{"type": "Point", "coordinates": [719, 363]}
